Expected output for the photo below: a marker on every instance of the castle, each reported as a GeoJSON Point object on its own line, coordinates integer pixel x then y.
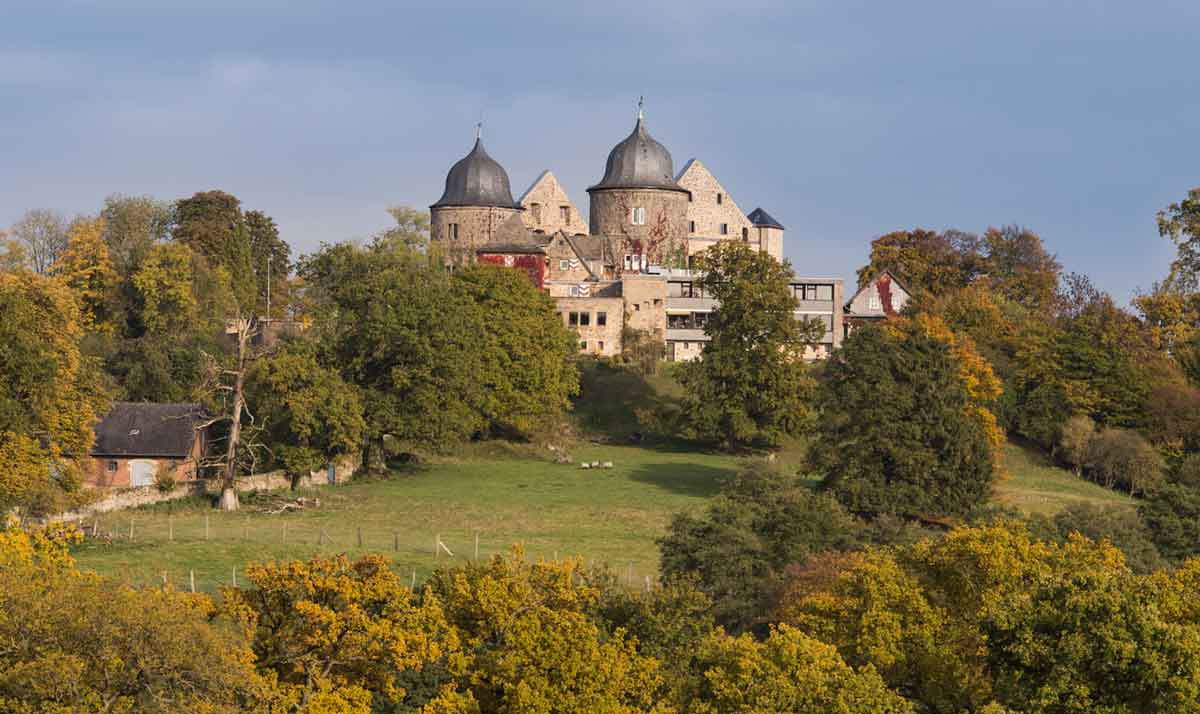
{"type": "Point", "coordinates": [629, 266]}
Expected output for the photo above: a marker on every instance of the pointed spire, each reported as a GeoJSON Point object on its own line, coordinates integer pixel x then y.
{"type": "Point", "coordinates": [479, 130]}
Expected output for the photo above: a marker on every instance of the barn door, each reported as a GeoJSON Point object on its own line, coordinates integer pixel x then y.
{"type": "Point", "coordinates": [141, 472]}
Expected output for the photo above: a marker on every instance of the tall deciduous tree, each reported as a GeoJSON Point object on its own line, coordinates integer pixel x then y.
{"type": "Point", "coordinates": [43, 234]}
{"type": "Point", "coordinates": [308, 414]}
{"type": "Point", "coordinates": [898, 432]}
{"type": "Point", "coordinates": [132, 226]}
{"type": "Point", "coordinates": [211, 223]}
{"type": "Point", "coordinates": [50, 394]}
{"type": "Point", "coordinates": [88, 271]}
{"type": "Point", "coordinates": [1018, 267]}
{"type": "Point", "coordinates": [750, 387]}
{"type": "Point", "coordinates": [528, 354]}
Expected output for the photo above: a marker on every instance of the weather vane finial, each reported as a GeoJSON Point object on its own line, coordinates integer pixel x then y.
{"type": "Point", "coordinates": [641, 105]}
{"type": "Point", "coordinates": [478, 130]}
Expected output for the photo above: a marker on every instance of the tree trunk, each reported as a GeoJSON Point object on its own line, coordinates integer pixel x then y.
{"type": "Point", "coordinates": [229, 498]}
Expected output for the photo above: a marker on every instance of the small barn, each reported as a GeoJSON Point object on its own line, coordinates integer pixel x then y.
{"type": "Point", "coordinates": [138, 442]}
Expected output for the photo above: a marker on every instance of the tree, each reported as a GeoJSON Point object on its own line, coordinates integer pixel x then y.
{"type": "Point", "coordinates": [334, 634]}
{"type": "Point", "coordinates": [1119, 457]}
{"type": "Point", "coordinates": [925, 261]}
{"type": "Point", "coordinates": [211, 223]}
{"type": "Point", "coordinates": [88, 271]}
{"type": "Point", "coordinates": [762, 522]}
{"type": "Point", "coordinates": [1173, 517]}
{"type": "Point", "coordinates": [1076, 440]}
{"type": "Point", "coordinates": [75, 643]}
{"type": "Point", "coordinates": [1018, 267]}
{"type": "Point", "coordinates": [789, 672]}
{"type": "Point", "coordinates": [270, 258]}
{"type": "Point", "coordinates": [132, 226]}
{"type": "Point", "coordinates": [50, 394]}
{"type": "Point", "coordinates": [1119, 525]}
{"type": "Point", "coordinates": [750, 386]}
{"type": "Point", "coordinates": [1181, 223]}
{"type": "Point", "coordinates": [902, 430]}
{"type": "Point", "coordinates": [309, 416]}
{"type": "Point", "coordinates": [12, 254]}
{"type": "Point", "coordinates": [43, 235]}
{"type": "Point", "coordinates": [528, 354]}
{"type": "Point", "coordinates": [411, 229]}
{"type": "Point", "coordinates": [531, 644]}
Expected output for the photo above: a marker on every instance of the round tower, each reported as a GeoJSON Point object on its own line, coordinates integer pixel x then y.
{"type": "Point", "coordinates": [639, 203]}
{"type": "Point", "coordinates": [476, 202]}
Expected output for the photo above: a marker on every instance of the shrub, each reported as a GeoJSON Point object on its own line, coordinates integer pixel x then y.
{"type": "Point", "coordinates": [1122, 458]}
{"type": "Point", "coordinates": [1173, 517]}
{"type": "Point", "coordinates": [1077, 434]}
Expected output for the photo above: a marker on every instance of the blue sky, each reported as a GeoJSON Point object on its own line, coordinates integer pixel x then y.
{"type": "Point", "coordinates": [843, 119]}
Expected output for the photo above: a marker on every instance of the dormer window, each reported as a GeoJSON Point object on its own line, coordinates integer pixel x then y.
{"type": "Point", "coordinates": [638, 216]}
{"type": "Point", "coordinates": [536, 210]}
{"type": "Point", "coordinates": [452, 229]}
{"type": "Point", "coordinates": [720, 199]}
{"type": "Point", "coordinates": [564, 212]}
{"type": "Point", "coordinates": [873, 303]}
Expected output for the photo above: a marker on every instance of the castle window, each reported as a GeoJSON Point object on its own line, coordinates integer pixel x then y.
{"type": "Point", "coordinates": [585, 319]}
{"type": "Point", "coordinates": [583, 345]}
{"type": "Point", "coordinates": [638, 217]}
{"type": "Point", "coordinates": [719, 199]}
{"type": "Point", "coordinates": [112, 467]}
{"type": "Point", "coordinates": [601, 319]}
{"type": "Point", "coordinates": [691, 226]}
{"type": "Point", "coordinates": [745, 234]}
{"type": "Point", "coordinates": [724, 229]}
{"type": "Point", "coordinates": [873, 303]}
{"type": "Point", "coordinates": [536, 210]}
{"type": "Point", "coordinates": [564, 264]}
{"type": "Point", "coordinates": [600, 345]}
{"type": "Point", "coordinates": [453, 230]}
{"type": "Point", "coordinates": [564, 212]}
{"type": "Point", "coordinates": [573, 319]}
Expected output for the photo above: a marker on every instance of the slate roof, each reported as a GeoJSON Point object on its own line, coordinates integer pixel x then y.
{"type": "Point", "coordinates": [761, 218]}
{"type": "Point", "coordinates": [146, 429]}
{"type": "Point", "coordinates": [639, 161]}
{"type": "Point", "coordinates": [477, 180]}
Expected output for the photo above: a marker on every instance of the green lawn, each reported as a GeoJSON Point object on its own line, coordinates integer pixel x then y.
{"type": "Point", "coordinates": [606, 515]}
{"type": "Point", "coordinates": [1035, 486]}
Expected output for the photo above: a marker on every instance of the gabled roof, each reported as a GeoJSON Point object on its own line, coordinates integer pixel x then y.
{"type": "Point", "coordinates": [891, 277]}
{"type": "Point", "coordinates": [148, 429]}
{"type": "Point", "coordinates": [761, 218]}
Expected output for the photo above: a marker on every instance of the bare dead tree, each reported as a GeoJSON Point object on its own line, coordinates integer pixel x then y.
{"type": "Point", "coordinates": [225, 384]}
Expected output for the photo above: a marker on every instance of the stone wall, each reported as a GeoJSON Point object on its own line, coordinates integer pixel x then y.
{"type": "Point", "coordinates": [595, 339]}
{"type": "Point", "coordinates": [545, 203]}
{"type": "Point", "coordinates": [120, 499]}
{"type": "Point", "coordinates": [663, 237]}
{"type": "Point", "coordinates": [645, 303]}
{"type": "Point", "coordinates": [709, 208]}
{"type": "Point", "coordinates": [476, 225]}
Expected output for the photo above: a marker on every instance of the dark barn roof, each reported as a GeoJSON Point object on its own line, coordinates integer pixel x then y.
{"type": "Point", "coordinates": [144, 429]}
{"type": "Point", "coordinates": [639, 162]}
{"type": "Point", "coordinates": [759, 217]}
{"type": "Point", "coordinates": [477, 180]}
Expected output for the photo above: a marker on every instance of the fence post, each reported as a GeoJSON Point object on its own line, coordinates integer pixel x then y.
{"type": "Point", "coordinates": [235, 576]}
{"type": "Point", "coordinates": [437, 546]}
{"type": "Point", "coordinates": [170, 527]}
{"type": "Point", "coordinates": [396, 542]}
{"type": "Point", "coordinates": [192, 579]}
{"type": "Point", "coordinates": [476, 546]}
{"type": "Point", "coordinates": [131, 528]}
{"type": "Point", "coordinates": [360, 536]}
{"type": "Point", "coordinates": [413, 586]}
{"type": "Point", "coordinates": [205, 526]}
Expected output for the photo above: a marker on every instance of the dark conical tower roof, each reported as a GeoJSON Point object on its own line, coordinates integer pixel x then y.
{"type": "Point", "coordinates": [639, 162]}
{"type": "Point", "coordinates": [477, 180]}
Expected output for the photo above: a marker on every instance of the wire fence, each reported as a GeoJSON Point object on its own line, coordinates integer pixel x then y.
{"type": "Point", "coordinates": [240, 540]}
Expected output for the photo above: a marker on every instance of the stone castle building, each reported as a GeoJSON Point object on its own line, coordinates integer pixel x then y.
{"type": "Point", "coordinates": [629, 265]}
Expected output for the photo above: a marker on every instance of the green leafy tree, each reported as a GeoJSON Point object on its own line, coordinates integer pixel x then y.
{"type": "Point", "coordinates": [1018, 267]}
{"type": "Point", "coordinates": [1123, 458]}
{"type": "Point", "coordinates": [270, 257]}
{"type": "Point", "coordinates": [309, 416]}
{"type": "Point", "coordinates": [212, 224]}
{"type": "Point", "coordinates": [528, 354]}
{"type": "Point", "coordinates": [1173, 517]}
{"type": "Point", "coordinates": [750, 387]}
{"type": "Point", "coordinates": [1181, 223]}
{"type": "Point", "coordinates": [895, 435]}
{"type": "Point", "coordinates": [1120, 525]}
{"type": "Point", "coordinates": [762, 522]}
{"type": "Point", "coordinates": [925, 261]}
{"type": "Point", "coordinates": [132, 226]}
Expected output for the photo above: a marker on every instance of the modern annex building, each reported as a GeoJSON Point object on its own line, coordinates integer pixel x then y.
{"type": "Point", "coordinates": [628, 266]}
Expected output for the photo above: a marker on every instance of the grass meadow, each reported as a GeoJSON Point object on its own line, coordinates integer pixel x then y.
{"type": "Point", "coordinates": [489, 494]}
